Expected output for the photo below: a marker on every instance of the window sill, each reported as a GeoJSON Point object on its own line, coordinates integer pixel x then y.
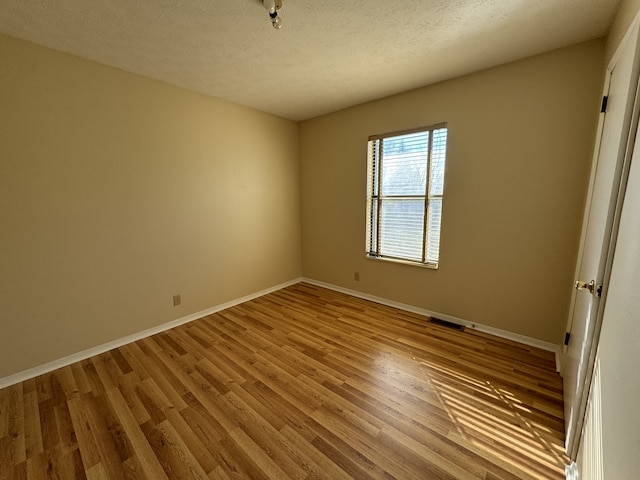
{"type": "Point", "coordinates": [430, 266]}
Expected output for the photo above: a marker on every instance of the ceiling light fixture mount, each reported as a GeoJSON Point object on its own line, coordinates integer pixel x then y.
{"type": "Point", "coordinates": [272, 7]}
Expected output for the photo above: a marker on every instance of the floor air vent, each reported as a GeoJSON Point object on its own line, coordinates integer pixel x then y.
{"type": "Point", "coordinates": [444, 323]}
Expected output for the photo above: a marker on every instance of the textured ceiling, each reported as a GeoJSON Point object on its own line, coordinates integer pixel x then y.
{"type": "Point", "coordinates": [329, 54]}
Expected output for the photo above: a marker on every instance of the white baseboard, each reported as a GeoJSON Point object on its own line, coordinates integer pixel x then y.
{"type": "Point", "coordinates": [532, 342]}
{"type": "Point", "coordinates": [105, 347]}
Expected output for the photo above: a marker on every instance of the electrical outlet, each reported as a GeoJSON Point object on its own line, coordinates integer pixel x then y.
{"type": "Point", "coordinates": [356, 276]}
{"type": "Point", "coordinates": [176, 300]}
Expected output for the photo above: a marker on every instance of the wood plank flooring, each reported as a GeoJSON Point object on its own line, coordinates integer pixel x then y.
{"type": "Point", "coordinates": [303, 383]}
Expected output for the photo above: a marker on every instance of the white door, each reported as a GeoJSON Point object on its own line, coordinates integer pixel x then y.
{"type": "Point", "coordinates": [618, 352]}
{"type": "Point", "coordinates": [598, 228]}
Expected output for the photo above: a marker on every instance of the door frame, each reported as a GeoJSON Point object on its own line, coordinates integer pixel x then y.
{"type": "Point", "coordinates": [629, 130]}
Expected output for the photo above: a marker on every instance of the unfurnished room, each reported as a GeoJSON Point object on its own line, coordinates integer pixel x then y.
{"type": "Point", "coordinates": [289, 239]}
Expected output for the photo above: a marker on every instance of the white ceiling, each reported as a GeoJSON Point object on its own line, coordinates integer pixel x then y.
{"type": "Point", "coordinates": [329, 54]}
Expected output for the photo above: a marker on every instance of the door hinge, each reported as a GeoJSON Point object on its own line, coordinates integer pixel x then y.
{"type": "Point", "coordinates": [603, 107]}
{"type": "Point", "coordinates": [567, 336]}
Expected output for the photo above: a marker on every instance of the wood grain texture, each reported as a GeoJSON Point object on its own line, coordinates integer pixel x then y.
{"type": "Point", "coordinates": [303, 383]}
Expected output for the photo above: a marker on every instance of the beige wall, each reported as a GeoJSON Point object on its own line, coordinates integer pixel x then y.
{"type": "Point", "coordinates": [520, 143]}
{"type": "Point", "coordinates": [117, 192]}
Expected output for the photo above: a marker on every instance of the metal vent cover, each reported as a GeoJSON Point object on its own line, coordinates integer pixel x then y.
{"type": "Point", "coordinates": [445, 323]}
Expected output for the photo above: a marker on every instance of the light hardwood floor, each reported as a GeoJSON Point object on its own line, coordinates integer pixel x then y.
{"type": "Point", "coordinates": [302, 383]}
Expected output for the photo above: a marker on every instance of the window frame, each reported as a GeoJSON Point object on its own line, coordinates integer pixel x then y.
{"type": "Point", "coordinates": [375, 197]}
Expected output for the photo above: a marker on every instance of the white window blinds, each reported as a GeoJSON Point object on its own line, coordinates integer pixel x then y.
{"type": "Point", "coordinates": [405, 183]}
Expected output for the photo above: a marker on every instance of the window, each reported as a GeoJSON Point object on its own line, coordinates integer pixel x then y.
{"type": "Point", "coordinates": [405, 180]}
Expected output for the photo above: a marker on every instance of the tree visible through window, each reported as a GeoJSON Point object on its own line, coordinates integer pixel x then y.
{"type": "Point", "coordinates": [405, 180]}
